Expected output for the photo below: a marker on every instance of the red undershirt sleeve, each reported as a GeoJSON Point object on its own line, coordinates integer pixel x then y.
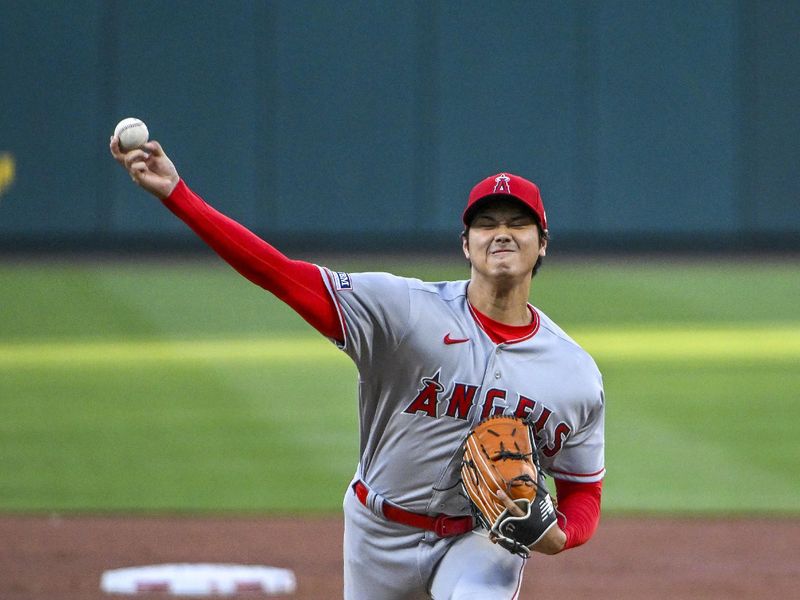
{"type": "Point", "coordinates": [579, 505]}
{"type": "Point", "coordinates": [299, 284]}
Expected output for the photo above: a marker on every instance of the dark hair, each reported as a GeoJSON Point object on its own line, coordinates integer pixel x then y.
{"type": "Point", "coordinates": [543, 237]}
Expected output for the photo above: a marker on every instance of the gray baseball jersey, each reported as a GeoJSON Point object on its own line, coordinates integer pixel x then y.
{"type": "Point", "coordinates": [428, 373]}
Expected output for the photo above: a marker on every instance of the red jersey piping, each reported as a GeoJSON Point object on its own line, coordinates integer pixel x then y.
{"type": "Point", "coordinates": [596, 473]}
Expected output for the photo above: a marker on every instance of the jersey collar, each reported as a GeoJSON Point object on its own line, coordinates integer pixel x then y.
{"type": "Point", "coordinates": [500, 333]}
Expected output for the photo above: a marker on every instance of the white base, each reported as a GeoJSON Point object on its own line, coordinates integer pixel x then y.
{"type": "Point", "coordinates": [199, 580]}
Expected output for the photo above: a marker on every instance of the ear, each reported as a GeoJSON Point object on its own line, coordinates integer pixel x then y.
{"type": "Point", "coordinates": [543, 247]}
{"type": "Point", "coordinates": [465, 244]}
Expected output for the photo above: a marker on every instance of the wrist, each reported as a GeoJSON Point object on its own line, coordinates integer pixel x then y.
{"type": "Point", "coordinates": [553, 542]}
{"type": "Point", "coordinates": [169, 188]}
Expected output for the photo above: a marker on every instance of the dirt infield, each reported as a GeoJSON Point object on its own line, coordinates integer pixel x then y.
{"type": "Point", "coordinates": [644, 558]}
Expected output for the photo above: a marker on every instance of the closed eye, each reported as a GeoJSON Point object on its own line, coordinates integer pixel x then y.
{"type": "Point", "coordinates": [484, 223]}
{"type": "Point", "coordinates": [487, 223]}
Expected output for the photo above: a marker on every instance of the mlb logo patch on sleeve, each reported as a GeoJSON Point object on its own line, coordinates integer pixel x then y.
{"type": "Point", "coordinates": [342, 281]}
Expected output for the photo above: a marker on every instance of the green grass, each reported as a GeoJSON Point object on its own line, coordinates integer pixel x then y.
{"type": "Point", "coordinates": [183, 387]}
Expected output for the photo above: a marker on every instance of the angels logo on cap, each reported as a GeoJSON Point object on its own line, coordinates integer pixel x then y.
{"type": "Point", "coordinates": [501, 184]}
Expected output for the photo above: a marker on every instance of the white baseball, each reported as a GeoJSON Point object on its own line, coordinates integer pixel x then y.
{"type": "Point", "coordinates": [132, 133]}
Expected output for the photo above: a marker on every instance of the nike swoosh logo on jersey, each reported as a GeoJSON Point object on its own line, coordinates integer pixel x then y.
{"type": "Point", "coordinates": [448, 340]}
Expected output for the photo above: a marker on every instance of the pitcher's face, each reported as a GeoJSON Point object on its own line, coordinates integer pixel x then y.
{"type": "Point", "coordinates": [503, 241]}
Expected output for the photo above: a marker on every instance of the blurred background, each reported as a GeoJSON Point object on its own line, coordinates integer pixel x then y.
{"type": "Point", "coordinates": [350, 133]}
{"type": "Point", "coordinates": [352, 125]}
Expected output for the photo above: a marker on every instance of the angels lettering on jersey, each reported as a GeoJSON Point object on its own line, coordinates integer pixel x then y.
{"type": "Point", "coordinates": [494, 401]}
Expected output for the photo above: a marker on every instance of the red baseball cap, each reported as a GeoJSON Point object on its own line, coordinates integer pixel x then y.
{"type": "Point", "coordinates": [508, 185]}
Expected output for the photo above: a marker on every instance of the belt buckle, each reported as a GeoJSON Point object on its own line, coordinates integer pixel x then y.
{"type": "Point", "coordinates": [445, 526]}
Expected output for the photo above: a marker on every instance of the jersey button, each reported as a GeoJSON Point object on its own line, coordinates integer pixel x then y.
{"type": "Point", "coordinates": [499, 350]}
{"type": "Point", "coordinates": [497, 374]}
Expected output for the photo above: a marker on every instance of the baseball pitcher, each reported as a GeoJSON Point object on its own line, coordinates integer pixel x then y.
{"type": "Point", "coordinates": [468, 395]}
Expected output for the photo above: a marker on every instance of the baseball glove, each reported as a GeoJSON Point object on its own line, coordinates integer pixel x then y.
{"type": "Point", "coordinates": [500, 454]}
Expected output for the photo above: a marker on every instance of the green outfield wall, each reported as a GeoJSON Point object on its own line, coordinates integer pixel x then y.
{"type": "Point", "coordinates": [356, 123]}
